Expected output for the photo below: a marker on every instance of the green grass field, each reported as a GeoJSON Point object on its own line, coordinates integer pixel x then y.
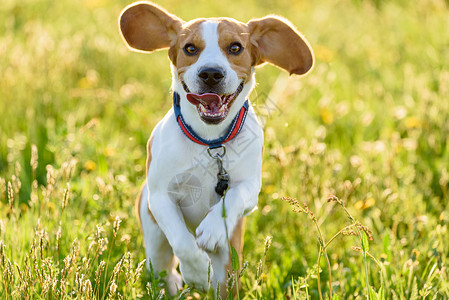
{"type": "Point", "coordinates": [369, 124]}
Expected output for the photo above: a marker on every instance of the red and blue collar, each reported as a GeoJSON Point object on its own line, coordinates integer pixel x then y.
{"type": "Point", "coordinates": [232, 132]}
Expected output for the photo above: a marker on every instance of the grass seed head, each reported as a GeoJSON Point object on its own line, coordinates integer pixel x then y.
{"type": "Point", "coordinates": [348, 231]}
{"type": "Point", "coordinates": [294, 203]}
{"type": "Point", "coordinates": [67, 265]}
{"type": "Point", "coordinates": [75, 249]}
{"type": "Point", "coordinates": [116, 226]}
{"type": "Point", "coordinates": [16, 184]}
{"type": "Point", "coordinates": [51, 176]}
{"type": "Point", "coordinates": [308, 211]}
{"type": "Point", "coordinates": [58, 237]}
{"type": "Point", "coordinates": [139, 270]}
{"type": "Point", "coordinates": [127, 267]}
{"type": "Point", "coordinates": [244, 267]}
{"type": "Point", "coordinates": [46, 286]}
{"type": "Point", "coordinates": [38, 271]}
{"type": "Point", "coordinates": [54, 286]}
{"type": "Point", "coordinates": [118, 267]}
{"type": "Point", "coordinates": [150, 291]}
{"type": "Point", "coordinates": [102, 245]}
{"type": "Point", "coordinates": [333, 198]}
{"type": "Point", "coordinates": [34, 158]}
{"type": "Point", "coordinates": [68, 168]}
{"type": "Point", "coordinates": [85, 264]}
{"type": "Point", "coordinates": [66, 196]}
{"type": "Point", "coordinates": [230, 282]}
{"type": "Point", "coordinates": [298, 208]}
{"type": "Point", "coordinates": [10, 196]}
{"type": "Point", "coordinates": [62, 288]}
{"type": "Point", "coordinates": [365, 229]}
{"type": "Point", "coordinates": [87, 289]}
{"type": "Point", "coordinates": [18, 169]}
{"type": "Point", "coordinates": [259, 271]}
{"type": "Point", "coordinates": [268, 241]}
{"type": "Point", "coordinates": [34, 196]}
{"type": "Point", "coordinates": [98, 273]}
{"type": "Point", "coordinates": [99, 230]}
{"type": "Point", "coordinates": [112, 289]}
{"type": "Point", "coordinates": [91, 246]}
{"type": "Point", "coordinates": [161, 294]}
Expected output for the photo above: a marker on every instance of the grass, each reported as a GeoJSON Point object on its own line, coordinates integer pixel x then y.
{"type": "Point", "coordinates": [369, 124]}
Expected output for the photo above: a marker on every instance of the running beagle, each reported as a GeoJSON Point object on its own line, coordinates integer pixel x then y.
{"type": "Point", "coordinates": [211, 129]}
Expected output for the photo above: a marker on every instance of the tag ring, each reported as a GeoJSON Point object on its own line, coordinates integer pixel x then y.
{"type": "Point", "coordinates": [217, 155]}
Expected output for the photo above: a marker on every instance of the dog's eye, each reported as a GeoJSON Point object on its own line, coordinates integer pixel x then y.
{"type": "Point", "coordinates": [235, 48]}
{"type": "Point", "coordinates": [190, 49]}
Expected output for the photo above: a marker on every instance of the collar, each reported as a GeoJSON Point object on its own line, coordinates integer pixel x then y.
{"type": "Point", "coordinates": [232, 132]}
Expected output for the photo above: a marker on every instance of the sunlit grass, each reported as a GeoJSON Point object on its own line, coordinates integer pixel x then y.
{"type": "Point", "coordinates": [369, 124]}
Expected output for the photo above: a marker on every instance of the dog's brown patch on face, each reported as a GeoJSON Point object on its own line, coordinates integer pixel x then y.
{"type": "Point", "coordinates": [190, 34]}
{"type": "Point", "coordinates": [231, 31]}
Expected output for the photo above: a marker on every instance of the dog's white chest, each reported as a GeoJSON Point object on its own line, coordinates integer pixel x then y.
{"type": "Point", "coordinates": [186, 174]}
{"type": "Point", "coordinates": [193, 189]}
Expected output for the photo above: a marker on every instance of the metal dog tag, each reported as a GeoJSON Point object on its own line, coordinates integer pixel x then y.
{"type": "Point", "coordinates": [222, 175]}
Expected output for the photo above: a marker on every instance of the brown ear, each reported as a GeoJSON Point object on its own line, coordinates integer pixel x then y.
{"type": "Point", "coordinates": [277, 42]}
{"type": "Point", "coordinates": [147, 27]}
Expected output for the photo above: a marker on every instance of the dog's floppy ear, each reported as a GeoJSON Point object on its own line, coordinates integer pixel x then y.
{"type": "Point", "coordinates": [147, 27]}
{"type": "Point", "coordinates": [276, 41]}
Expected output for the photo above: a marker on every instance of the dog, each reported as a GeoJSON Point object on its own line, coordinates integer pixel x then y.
{"type": "Point", "coordinates": [189, 215]}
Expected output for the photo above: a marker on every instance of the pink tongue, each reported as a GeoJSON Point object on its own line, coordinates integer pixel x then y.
{"type": "Point", "coordinates": [207, 99]}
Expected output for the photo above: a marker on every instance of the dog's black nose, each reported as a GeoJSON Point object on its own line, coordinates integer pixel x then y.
{"type": "Point", "coordinates": [211, 76]}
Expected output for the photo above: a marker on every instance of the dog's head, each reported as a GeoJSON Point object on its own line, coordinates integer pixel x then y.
{"type": "Point", "coordinates": [213, 59]}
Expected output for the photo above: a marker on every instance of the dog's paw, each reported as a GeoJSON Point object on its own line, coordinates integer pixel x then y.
{"type": "Point", "coordinates": [211, 233]}
{"type": "Point", "coordinates": [197, 270]}
{"type": "Point", "coordinates": [174, 283]}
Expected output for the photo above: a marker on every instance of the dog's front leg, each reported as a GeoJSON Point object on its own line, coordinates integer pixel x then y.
{"type": "Point", "coordinates": [193, 262]}
{"type": "Point", "coordinates": [217, 227]}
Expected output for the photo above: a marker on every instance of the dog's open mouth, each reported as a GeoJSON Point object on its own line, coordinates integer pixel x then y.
{"type": "Point", "coordinates": [213, 108]}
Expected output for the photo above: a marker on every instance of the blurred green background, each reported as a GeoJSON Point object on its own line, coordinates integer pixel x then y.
{"type": "Point", "coordinates": [370, 124]}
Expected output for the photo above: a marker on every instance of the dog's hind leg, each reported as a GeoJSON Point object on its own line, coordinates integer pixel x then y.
{"type": "Point", "coordinates": [158, 251]}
